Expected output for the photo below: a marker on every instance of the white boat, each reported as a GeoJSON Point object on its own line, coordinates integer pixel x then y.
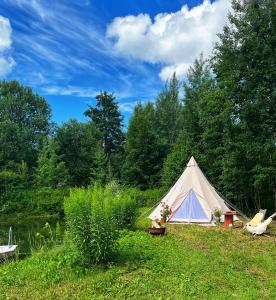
{"type": "Point", "coordinates": [8, 250]}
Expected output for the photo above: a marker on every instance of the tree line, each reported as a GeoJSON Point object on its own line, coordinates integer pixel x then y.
{"type": "Point", "coordinates": [223, 114]}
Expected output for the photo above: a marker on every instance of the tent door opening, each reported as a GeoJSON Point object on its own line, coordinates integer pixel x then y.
{"type": "Point", "coordinates": [190, 210]}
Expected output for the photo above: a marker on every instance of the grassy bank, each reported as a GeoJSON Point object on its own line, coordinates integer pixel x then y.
{"type": "Point", "coordinates": [190, 262]}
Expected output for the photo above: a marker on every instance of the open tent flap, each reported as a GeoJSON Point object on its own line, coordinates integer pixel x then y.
{"type": "Point", "coordinates": [190, 210]}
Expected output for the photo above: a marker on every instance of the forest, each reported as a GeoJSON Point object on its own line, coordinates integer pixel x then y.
{"type": "Point", "coordinates": [223, 114]}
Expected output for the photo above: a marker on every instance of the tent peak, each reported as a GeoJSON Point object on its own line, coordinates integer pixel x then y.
{"type": "Point", "coordinates": [192, 162]}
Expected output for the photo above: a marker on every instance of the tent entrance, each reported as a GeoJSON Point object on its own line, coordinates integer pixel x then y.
{"type": "Point", "coordinates": [190, 210]}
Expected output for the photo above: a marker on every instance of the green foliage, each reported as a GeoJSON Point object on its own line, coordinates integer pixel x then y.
{"type": "Point", "coordinates": [175, 162]}
{"type": "Point", "coordinates": [145, 198]}
{"type": "Point", "coordinates": [190, 140]}
{"type": "Point", "coordinates": [27, 117]}
{"type": "Point", "coordinates": [78, 146]}
{"type": "Point", "coordinates": [51, 171]}
{"type": "Point", "coordinates": [124, 211]}
{"type": "Point", "coordinates": [108, 120]}
{"type": "Point", "coordinates": [91, 225]}
{"type": "Point", "coordinates": [167, 119]}
{"type": "Point", "coordinates": [93, 218]}
{"type": "Point", "coordinates": [98, 172]}
{"type": "Point", "coordinates": [10, 183]}
{"type": "Point", "coordinates": [152, 131]}
{"type": "Point", "coordinates": [34, 201]}
{"type": "Point", "coordinates": [244, 63]}
{"type": "Point", "coordinates": [46, 239]}
{"type": "Point", "coordinates": [42, 268]}
{"type": "Point", "coordinates": [11, 143]}
{"type": "Point", "coordinates": [142, 165]}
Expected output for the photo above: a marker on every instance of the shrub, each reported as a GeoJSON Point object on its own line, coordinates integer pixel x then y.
{"type": "Point", "coordinates": [49, 200]}
{"type": "Point", "coordinates": [124, 211]}
{"type": "Point", "coordinates": [91, 225]}
{"type": "Point", "coordinates": [94, 217]}
{"type": "Point", "coordinates": [146, 198]}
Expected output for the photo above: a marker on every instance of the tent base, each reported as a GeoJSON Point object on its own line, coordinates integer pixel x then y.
{"type": "Point", "coordinates": [186, 223]}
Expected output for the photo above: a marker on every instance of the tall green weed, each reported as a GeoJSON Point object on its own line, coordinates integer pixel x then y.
{"type": "Point", "coordinates": [94, 217]}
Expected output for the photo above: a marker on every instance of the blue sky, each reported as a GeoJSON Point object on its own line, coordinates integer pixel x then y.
{"type": "Point", "coordinates": [68, 51]}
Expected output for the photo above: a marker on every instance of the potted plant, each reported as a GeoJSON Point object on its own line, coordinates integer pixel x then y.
{"type": "Point", "coordinates": [158, 227]}
{"type": "Point", "coordinates": [165, 212]}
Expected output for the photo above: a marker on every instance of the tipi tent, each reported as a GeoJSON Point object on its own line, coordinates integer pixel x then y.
{"type": "Point", "coordinates": [192, 199]}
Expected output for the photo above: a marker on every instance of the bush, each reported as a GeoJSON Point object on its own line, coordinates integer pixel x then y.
{"type": "Point", "coordinates": [49, 200]}
{"type": "Point", "coordinates": [94, 217]}
{"type": "Point", "coordinates": [90, 224]}
{"type": "Point", "coordinates": [145, 198]}
{"type": "Point", "coordinates": [124, 211]}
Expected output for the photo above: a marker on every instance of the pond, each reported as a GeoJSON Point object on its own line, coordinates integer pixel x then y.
{"type": "Point", "coordinates": [24, 231]}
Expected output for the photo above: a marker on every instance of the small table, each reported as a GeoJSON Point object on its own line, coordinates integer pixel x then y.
{"type": "Point", "coordinates": [229, 218]}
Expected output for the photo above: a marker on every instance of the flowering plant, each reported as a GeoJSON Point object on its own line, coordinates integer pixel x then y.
{"type": "Point", "coordinates": [166, 211]}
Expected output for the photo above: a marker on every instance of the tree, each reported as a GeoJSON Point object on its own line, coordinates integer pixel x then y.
{"type": "Point", "coordinates": [108, 120]}
{"type": "Point", "coordinates": [28, 115]}
{"type": "Point", "coordinates": [177, 159]}
{"type": "Point", "coordinates": [142, 165]}
{"type": "Point", "coordinates": [198, 82]}
{"type": "Point", "coordinates": [11, 145]}
{"type": "Point", "coordinates": [51, 170]}
{"type": "Point", "coordinates": [198, 113]}
{"type": "Point", "coordinates": [78, 145]}
{"type": "Point", "coordinates": [244, 64]}
{"type": "Point", "coordinates": [98, 172]}
{"type": "Point", "coordinates": [168, 116]}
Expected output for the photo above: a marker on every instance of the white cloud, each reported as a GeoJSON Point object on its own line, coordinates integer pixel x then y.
{"type": "Point", "coordinates": [173, 39]}
{"type": "Point", "coordinates": [34, 5]}
{"type": "Point", "coordinates": [6, 61]}
{"type": "Point", "coordinates": [70, 91]}
{"type": "Point", "coordinates": [128, 107]}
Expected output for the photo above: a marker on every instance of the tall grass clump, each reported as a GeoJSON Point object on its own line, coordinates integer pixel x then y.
{"type": "Point", "coordinates": [124, 209]}
{"type": "Point", "coordinates": [90, 225]}
{"type": "Point", "coordinates": [94, 217]}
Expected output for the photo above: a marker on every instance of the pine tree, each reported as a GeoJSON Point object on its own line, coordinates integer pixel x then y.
{"type": "Point", "coordinates": [142, 166]}
{"type": "Point", "coordinates": [108, 120]}
{"type": "Point", "coordinates": [177, 159]}
{"type": "Point", "coordinates": [192, 140]}
{"type": "Point", "coordinates": [167, 116]}
{"type": "Point", "coordinates": [98, 169]}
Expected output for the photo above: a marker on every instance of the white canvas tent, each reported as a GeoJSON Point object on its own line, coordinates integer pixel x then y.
{"type": "Point", "coordinates": [192, 199]}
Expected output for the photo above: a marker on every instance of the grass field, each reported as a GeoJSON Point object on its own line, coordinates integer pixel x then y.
{"type": "Point", "coordinates": [189, 262]}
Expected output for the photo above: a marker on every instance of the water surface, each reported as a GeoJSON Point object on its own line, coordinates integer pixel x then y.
{"type": "Point", "coordinates": [25, 231]}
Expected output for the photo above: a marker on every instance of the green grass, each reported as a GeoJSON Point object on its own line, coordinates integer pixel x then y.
{"type": "Point", "coordinates": [189, 262]}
